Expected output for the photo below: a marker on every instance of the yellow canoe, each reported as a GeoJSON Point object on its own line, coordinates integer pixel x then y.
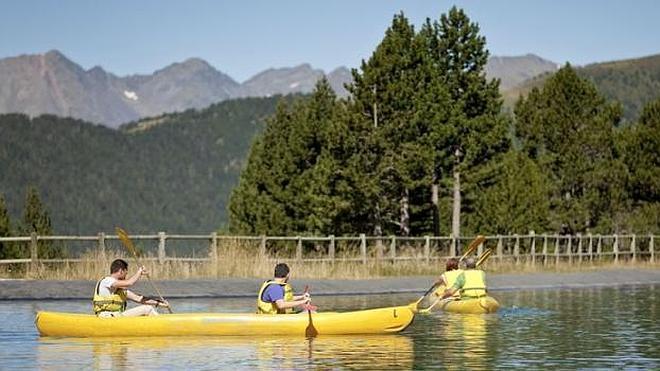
{"type": "Point", "coordinates": [371, 321]}
{"type": "Point", "coordinates": [486, 304]}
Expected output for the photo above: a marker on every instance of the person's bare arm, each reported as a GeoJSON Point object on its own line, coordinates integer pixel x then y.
{"type": "Point", "coordinates": [122, 284]}
{"type": "Point", "coordinates": [281, 304]}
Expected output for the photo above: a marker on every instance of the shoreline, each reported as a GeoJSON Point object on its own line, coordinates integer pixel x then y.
{"type": "Point", "coordinates": [11, 290]}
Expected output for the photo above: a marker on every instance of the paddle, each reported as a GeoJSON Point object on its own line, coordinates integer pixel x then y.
{"type": "Point", "coordinates": [310, 330]}
{"type": "Point", "coordinates": [126, 241]}
{"type": "Point", "coordinates": [308, 306]}
{"type": "Point", "coordinates": [438, 300]}
{"type": "Point", "coordinates": [473, 246]}
{"type": "Point", "coordinates": [484, 256]}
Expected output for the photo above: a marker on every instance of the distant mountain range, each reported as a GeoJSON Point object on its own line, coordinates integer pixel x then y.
{"type": "Point", "coordinates": [52, 83]}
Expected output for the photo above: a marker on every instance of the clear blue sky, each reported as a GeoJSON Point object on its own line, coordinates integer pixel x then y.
{"type": "Point", "coordinates": [242, 38]}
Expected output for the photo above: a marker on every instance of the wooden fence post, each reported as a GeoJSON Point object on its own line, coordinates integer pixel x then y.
{"type": "Point", "coordinates": [161, 247]}
{"type": "Point", "coordinates": [331, 248]}
{"type": "Point", "coordinates": [569, 249]}
{"type": "Point", "coordinates": [533, 246]}
{"type": "Point", "coordinates": [579, 248]}
{"type": "Point", "coordinates": [214, 247]}
{"type": "Point", "coordinates": [299, 249]}
{"type": "Point", "coordinates": [452, 249]}
{"type": "Point", "coordinates": [556, 250]}
{"type": "Point", "coordinates": [363, 248]}
{"type": "Point", "coordinates": [633, 249]}
{"type": "Point", "coordinates": [651, 248]}
{"type": "Point", "coordinates": [500, 248]}
{"type": "Point", "coordinates": [591, 247]}
{"type": "Point", "coordinates": [393, 249]}
{"type": "Point", "coordinates": [516, 248]}
{"type": "Point", "coordinates": [262, 246]}
{"type": "Point", "coordinates": [34, 253]}
{"type": "Point", "coordinates": [102, 244]}
{"type": "Point", "coordinates": [545, 249]}
{"type": "Point", "coordinates": [599, 247]}
{"type": "Point", "coordinates": [616, 248]}
{"type": "Point", "coordinates": [427, 249]}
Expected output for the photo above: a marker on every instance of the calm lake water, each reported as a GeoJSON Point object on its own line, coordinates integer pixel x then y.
{"type": "Point", "coordinates": [580, 328]}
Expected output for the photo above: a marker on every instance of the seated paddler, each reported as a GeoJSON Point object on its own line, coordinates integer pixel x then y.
{"type": "Point", "coordinates": [448, 278]}
{"type": "Point", "coordinates": [276, 295]}
{"type": "Point", "coordinates": [111, 294]}
{"type": "Point", "coordinates": [470, 283]}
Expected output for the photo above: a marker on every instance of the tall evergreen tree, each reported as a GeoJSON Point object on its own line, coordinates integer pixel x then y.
{"type": "Point", "coordinates": [6, 250]}
{"type": "Point", "coordinates": [476, 132]}
{"type": "Point", "coordinates": [641, 154]}
{"type": "Point", "coordinates": [569, 128]}
{"type": "Point", "coordinates": [36, 219]}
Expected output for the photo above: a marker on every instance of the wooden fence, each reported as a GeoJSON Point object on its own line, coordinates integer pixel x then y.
{"type": "Point", "coordinates": [531, 248]}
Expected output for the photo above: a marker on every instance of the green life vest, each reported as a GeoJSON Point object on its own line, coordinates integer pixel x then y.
{"type": "Point", "coordinates": [475, 284]}
{"type": "Point", "coordinates": [264, 307]}
{"type": "Point", "coordinates": [109, 303]}
{"type": "Point", "coordinates": [451, 277]}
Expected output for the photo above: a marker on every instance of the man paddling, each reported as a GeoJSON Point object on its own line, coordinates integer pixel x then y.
{"type": "Point", "coordinates": [276, 295]}
{"type": "Point", "coordinates": [111, 294]}
{"type": "Point", "coordinates": [470, 284]}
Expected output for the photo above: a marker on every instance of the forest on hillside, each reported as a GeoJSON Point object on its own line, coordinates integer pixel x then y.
{"type": "Point", "coordinates": [172, 173]}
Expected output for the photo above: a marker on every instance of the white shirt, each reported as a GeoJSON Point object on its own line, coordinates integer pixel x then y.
{"type": "Point", "coordinates": [105, 287]}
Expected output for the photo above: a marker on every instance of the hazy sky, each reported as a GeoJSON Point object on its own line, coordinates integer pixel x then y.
{"type": "Point", "coordinates": [242, 38]}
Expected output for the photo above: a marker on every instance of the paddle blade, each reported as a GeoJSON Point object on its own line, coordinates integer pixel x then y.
{"type": "Point", "coordinates": [126, 241]}
{"type": "Point", "coordinates": [473, 246]}
{"type": "Point", "coordinates": [484, 256]}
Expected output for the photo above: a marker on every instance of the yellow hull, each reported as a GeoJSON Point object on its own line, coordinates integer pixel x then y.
{"type": "Point", "coordinates": [483, 305]}
{"type": "Point", "coordinates": [372, 321]}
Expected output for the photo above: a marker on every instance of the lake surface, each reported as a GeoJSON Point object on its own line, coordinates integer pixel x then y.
{"type": "Point", "coordinates": [579, 328]}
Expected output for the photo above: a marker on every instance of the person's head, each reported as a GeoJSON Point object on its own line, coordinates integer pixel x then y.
{"type": "Point", "coordinates": [452, 264]}
{"type": "Point", "coordinates": [281, 271]}
{"type": "Point", "coordinates": [470, 263]}
{"type": "Point", "coordinates": [119, 267]}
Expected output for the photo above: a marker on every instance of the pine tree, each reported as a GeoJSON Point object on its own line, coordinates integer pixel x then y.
{"type": "Point", "coordinates": [476, 132]}
{"type": "Point", "coordinates": [568, 127]}
{"type": "Point", "coordinates": [6, 250]}
{"type": "Point", "coordinates": [640, 147]}
{"type": "Point", "coordinates": [36, 219]}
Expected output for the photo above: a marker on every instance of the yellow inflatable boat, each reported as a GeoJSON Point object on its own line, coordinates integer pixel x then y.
{"type": "Point", "coordinates": [483, 305]}
{"type": "Point", "coordinates": [371, 321]}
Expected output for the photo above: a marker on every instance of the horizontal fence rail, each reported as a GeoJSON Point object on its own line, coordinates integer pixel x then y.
{"type": "Point", "coordinates": [531, 248]}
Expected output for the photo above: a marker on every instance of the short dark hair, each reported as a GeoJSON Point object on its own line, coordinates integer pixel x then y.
{"type": "Point", "coordinates": [281, 270]}
{"type": "Point", "coordinates": [452, 264]}
{"type": "Point", "coordinates": [117, 265]}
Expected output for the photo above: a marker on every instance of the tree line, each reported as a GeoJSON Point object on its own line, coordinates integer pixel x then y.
{"type": "Point", "coordinates": [35, 219]}
{"type": "Point", "coordinates": [422, 147]}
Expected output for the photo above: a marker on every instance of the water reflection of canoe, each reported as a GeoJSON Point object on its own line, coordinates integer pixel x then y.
{"type": "Point", "coordinates": [483, 305]}
{"type": "Point", "coordinates": [381, 352]}
{"type": "Point", "coordinates": [371, 321]}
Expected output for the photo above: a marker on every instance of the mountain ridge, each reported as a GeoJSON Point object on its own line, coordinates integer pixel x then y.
{"type": "Point", "coordinates": [51, 83]}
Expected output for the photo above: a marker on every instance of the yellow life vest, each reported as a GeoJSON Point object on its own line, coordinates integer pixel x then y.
{"type": "Point", "coordinates": [475, 284]}
{"type": "Point", "coordinates": [450, 277]}
{"type": "Point", "coordinates": [264, 307]}
{"type": "Point", "coordinates": [109, 303]}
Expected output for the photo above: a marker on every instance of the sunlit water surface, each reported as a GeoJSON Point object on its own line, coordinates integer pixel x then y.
{"type": "Point", "coordinates": [580, 328]}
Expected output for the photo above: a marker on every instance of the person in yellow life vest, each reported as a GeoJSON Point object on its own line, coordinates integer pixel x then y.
{"type": "Point", "coordinates": [111, 294]}
{"type": "Point", "coordinates": [448, 278]}
{"type": "Point", "coordinates": [276, 295]}
{"type": "Point", "coordinates": [470, 284]}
